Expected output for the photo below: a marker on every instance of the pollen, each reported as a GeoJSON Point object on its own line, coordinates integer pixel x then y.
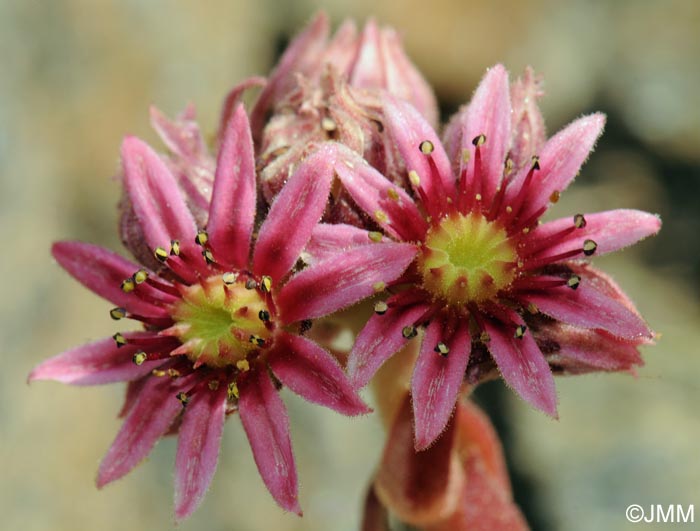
{"type": "Point", "coordinates": [375, 236]}
{"type": "Point", "coordinates": [573, 281]}
{"type": "Point", "coordinates": [442, 349]}
{"type": "Point", "coordinates": [414, 178]}
{"type": "Point", "coordinates": [380, 307]}
{"type": "Point", "coordinates": [117, 313]}
{"type": "Point", "coordinates": [589, 247]}
{"type": "Point", "coordinates": [175, 247]}
{"type": "Point", "coordinates": [243, 365]}
{"type": "Point", "coordinates": [579, 221]}
{"type": "Point", "coordinates": [202, 237]}
{"type": "Point", "coordinates": [128, 285]}
{"type": "Point", "coordinates": [409, 332]}
{"type": "Point", "coordinates": [140, 357]}
{"type": "Point", "coordinates": [140, 276]}
{"type": "Point", "coordinates": [379, 286]}
{"type": "Point", "coordinates": [426, 147]}
{"type": "Point", "coordinates": [229, 278]}
{"type": "Point", "coordinates": [479, 141]}
{"type": "Point", "coordinates": [160, 254]}
{"type": "Point", "coordinates": [393, 194]}
{"type": "Point", "coordinates": [381, 216]}
{"type": "Point", "coordinates": [119, 339]}
{"type": "Point", "coordinates": [520, 331]}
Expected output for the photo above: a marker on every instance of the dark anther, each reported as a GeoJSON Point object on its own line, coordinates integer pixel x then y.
{"type": "Point", "coordinates": [426, 147]}
{"type": "Point", "coordinates": [117, 313]}
{"type": "Point", "coordinates": [579, 221]}
{"type": "Point", "coordinates": [251, 284]}
{"type": "Point", "coordinates": [264, 316]}
{"type": "Point", "coordinates": [266, 283]}
{"type": "Point", "coordinates": [574, 281]}
{"type": "Point", "coordinates": [140, 357]}
{"type": "Point", "coordinates": [520, 331]}
{"type": "Point", "coordinates": [589, 247]}
{"type": "Point", "coordinates": [160, 254]}
{"type": "Point", "coordinates": [175, 247]}
{"type": "Point", "coordinates": [183, 398]}
{"type": "Point", "coordinates": [202, 237]}
{"type": "Point", "coordinates": [479, 140]}
{"type": "Point", "coordinates": [305, 326]}
{"type": "Point", "coordinates": [381, 307]}
{"type": "Point", "coordinates": [119, 339]}
{"type": "Point", "coordinates": [442, 349]}
{"type": "Point", "coordinates": [535, 163]}
{"type": "Point", "coordinates": [409, 332]}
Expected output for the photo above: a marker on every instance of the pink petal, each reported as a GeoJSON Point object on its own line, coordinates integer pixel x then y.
{"type": "Point", "coordinates": [381, 338]}
{"type": "Point", "coordinates": [408, 129]}
{"type": "Point", "coordinates": [341, 51]}
{"type": "Point", "coordinates": [560, 161]}
{"type": "Point", "coordinates": [293, 215]}
{"type": "Point", "coordinates": [337, 283]}
{"type": "Point", "coordinates": [182, 135]}
{"type": "Point", "coordinates": [528, 124]}
{"type": "Point", "coordinates": [266, 424]}
{"type": "Point", "coordinates": [371, 191]}
{"type": "Point", "coordinates": [437, 379]}
{"type": "Point", "coordinates": [102, 272]}
{"type": "Point", "coordinates": [368, 70]}
{"type": "Point", "coordinates": [522, 364]}
{"type": "Point", "coordinates": [312, 373]}
{"type": "Point", "coordinates": [198, 446]}
{"type": "Point", "coordinates": [589, 307]}
{"type": "Point", "coordinates": [489, 114]}
{"type": "Point", "coordinates": [232, 210]}
{"type": "Point", "coordinates": [232, 100]}
{"type": "Point", "coordinates": [331, 240]}
{"type": "Point", "coordinates": [96, 363]}
{"type": "Point", "coordinates": [611, 230]}
{"type": "Point", "coordinates": [148, 419]}
{"type": "Point", "coordinates": [155, 196]}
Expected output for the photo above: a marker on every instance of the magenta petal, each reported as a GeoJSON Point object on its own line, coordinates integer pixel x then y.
{"type": "Point", "coordinates": [371, 191]}
{"type": "Point", "coordinates": [232, 210]}
{"type": "Point", "coordinates": [332, 240]}
{"type": "Point", "coordinates": [182, 135]}
{"type": "Point", "coordinates": [522, 364]}
{"type": "Point", "coordinates": [367, 72]}
{"type": "Point", "coordinates": [489, 114]}
{"type": "Point", "coordinates": [437, 379]}
{"type": "Point", "coordinates": [294, 214]}
{"type": "Point", "coordinates": [102, 272]}
{"type": "Point", "coordinates": [100, 362]}
{"type": "Point", "coordinates": [233, 98]}
{"type": "Point", "coordinates": [312, 373]}
{"type": "Point", "coordinates": [266, 424]}
{"type": "Point", "coordinates": [408, 129]}
{"type": "Point", "coordinates": [611, 230]}
{"type": "Point", "coordinates": [337, 283]}
{"type": "Point", "coordinates": [199, 440]}
{"type": "Point", "coordinates": [528, 124]}
{"type": "Point", "coordinates": [381, 338]}
{"type": "Point", "coordinates": [148, 419]}
{"type": "Point", "coordinates": [155, 196]}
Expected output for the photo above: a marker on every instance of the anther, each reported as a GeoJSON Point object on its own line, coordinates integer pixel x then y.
{"type": "Point", "coordinates": [183, 398]}
{"type": "Point", "coordinates": [173, 373]}
{"type": "Point", "coordinates": [426, 147]}
{"type": "Point", "coordinates": [380, 307]}
{"type": "Point", "coordinates": [478, 197]}
{"type": "Point", "coordinates": [140, 357]}
{"type": "Point", "coordinates": [375, 236]}
{"type": "Point", "coordinates": [589, 247]}
{"type": "Point", "coordinates": [393, 194]}
{"type": "Point", "coordinates": [232, 391]}
{"type": "Point", "coordinates": [208, 257]}
{"type": "Point", "coordinates": [579, 221]}
{"type": "Point", "coordinates": [256, 340]}
{"type": "Point", "coordinates": [117, 313]}
{"type": "Point", "coordinates": [532, 308]}
{"type": "Point", "coordinates": [381, 216]}
{"type": "Point", "coordinates": [160, 254]}
{"type": "Point", "coordinates": [251, 284]}
{"type": "Point", "coordinates": [243, 365]}
{"type": "Point", "coordinates": [229, 278]}
{"type": "Point", "coordinates": [379, 286]}
{"type": "Point", "coordinates": [442, 349]}
{"type": "Point", "coordinates": [305, 326]}
{"type": "Point", "coordinates": [409, 332]}
{"type": "Point", "coordinates": [213, 385]}
{"type": "Point", "coordinates": [574, 281]}
{"type": "Point", "coordinates": [119, 339]}
{"type": "Point", "coordinates": [202, 237]}
{"type": "Point", "coordinates": [328, 124]}
{"type": "Point", "coordinates": [140, 276]}
{"type": "Point", "coordinates": [264, 316]}
{"type": "Point", "coordinates": [158, 373]}
{"type": "Point", "coordinates": [266, 283]}
{"type": "Point", "coordinates": [128, 285]}
{"type": "Point", "coordinates": [175, 247]}
{"type": "Point", "coordinates": [466, 156]}
{"type": "Point", "coordinates": [414, 177]}
{"type": "Point", "coordinates": [484, 337]}
{"type": "Point", "coordinates": [509, 166]}
{"type": "Point", "coordinates": [479, 140]}
{"type": "Point", "coordinates": [554, 197]}
{"type": "Point", "coordinates": [535, 163]}
{"type": "Point", "coordinates": [520, 331]}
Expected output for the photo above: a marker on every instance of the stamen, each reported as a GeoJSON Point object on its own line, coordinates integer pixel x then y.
{"type": "Point", "coordinates": [208, 256]}
{"type": "Point", "coordinates": [229, 278]}
{"type": "Point", "coordinates": [243, 365]}
{"type": "Point", "coordinates": [328, 124]}
{"type": "Point", "coordinates": [426, 147]}
{"type": "Point", "coordinates": [251, 284]}
{"type": "Point", "coordinates": [589, 247]}
{"type": "Point", "coordinates": [257, 340]}
{"type": "Point", "coordinates": [579, 221]}
{"type": "Point", "coordinates": [520, 331]}
{"type": "Point", "coordinates": [140, 276]}
{"type": "Point", "coordinates": [232, 391]}
{"type": "Point", "coordinates": [175, 247]}
{"type": "Point", "coordinates": [479, 141]}
{"type": "Point", "coordinates": [117, 313]}
{"type": "Point", "coordinates": [202, 237]}
{"type": "Point", "coordinates": [128, 285]}
{"type": "Point", "coordinates": [119, 339]}
{"type": "Point", "coordinates": [264, 316]}
{"type": "Point", "coordinates": [535, 162]}
{"type": "Point", "coordinates": [574, 281]}
{"type": "Point", "coordinates": [305, 326]}
{"type": "Point", "coordinates": [158, 373]}
{"type": "Point", "coordinates": [381, 307]}
{"type": "Point", "coordinates": [414, 178]}
{"type": "Point", "coordinates": [266, 283]}
{"type": "Point", "coordinates": [375, 236]}
{"type": "Point", "coordinates": [381, 216]}
{"type": "Point", "coordinates": [442, 349]}
{"type": "Point", "coordinates": [379, 286]}
{"type": "Point", "coordinates": [173, 373]}
{"type": "Point", "coordinates": [532, 308]}
{"type": "Point", "coordinates": [140, 357]}
{"type": "Point", "coordinates": [409, 332]}
{"type": "Point", "coordinates": [183, 398]}
{"type": "Point", "coordinates": [160, 254]}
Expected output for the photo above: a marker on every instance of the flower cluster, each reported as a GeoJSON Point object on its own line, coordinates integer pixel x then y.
{"type": "Point", "coordinates": [336, 190]}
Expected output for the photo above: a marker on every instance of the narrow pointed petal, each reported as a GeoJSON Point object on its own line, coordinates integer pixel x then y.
{"type": "Point", "coordinates": [232, 100]}
{"type": "Point", "coordinates": [528, 133]}
{"type": "Point", "coordinates": [148, 419]}
{"type": "Point", "coordinates": [155, 196]}
{"type": "Point", "coordinates": [560, 161]}
{"type": "Point", "coordinates": [381, 338]}
{"type": "Point", "coordinates": [375, 517]}
{"type": "Point", "coordinates": [408, 129]}
{"type": "Point", "coordinates": [312, 373]}
{"type": "Point", "coordinates": [294, 214]}
{"type": "Point", "coordinates": [611, 230]}
{"type": "Point", "coordinates": [337, 283]}
{"type": "Point", "coordinates": [437, 379]}
{"type": "Point", "coordinates": [266, 424]}
{"type": "Point", "coordinates": [342, 48]}
{"type": "Point", "coordinates": [522, 364]}
{"type": "Point", "coordinates": [199, 441]}
{"type": "Point", "coordinates": [102, 272]}
{"type": "Point", "coordinates": [367, 72]}
{"type": "Point", "coordinates": [489, 114]}
{"type": "Point", "coordinates": [589, 307]}
{"type": "Point", "coordinates": [373, 194]}
{"type": "Point", "coordinates": [333, 240]}
{"type": "Point", "coordinates": [232, 210]}
{"type": "Point", "coordinates": [96, 363]}
{"type": "Point", "coordinates": [182, 135]}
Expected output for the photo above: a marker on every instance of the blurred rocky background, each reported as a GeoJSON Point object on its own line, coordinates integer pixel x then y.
{"type": "Point", "coordinates": [77, 75]}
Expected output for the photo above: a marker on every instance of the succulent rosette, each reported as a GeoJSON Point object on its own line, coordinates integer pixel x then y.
{"type": "Point", "coordinates": [491, 283]}
{"type": "Point", "coordinates": [224, 321]}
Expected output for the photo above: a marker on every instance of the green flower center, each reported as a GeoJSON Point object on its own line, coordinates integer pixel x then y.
{"type": "Point", "coordinates": [221, 323]}
{"type": "Point", "coordinates": [467, 259]}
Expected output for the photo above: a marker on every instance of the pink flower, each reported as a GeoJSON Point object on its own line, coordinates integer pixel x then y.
{"type": "Point", "coordinates": [488, 273]}
{"type": "Point", "coordinates": [224, 321]}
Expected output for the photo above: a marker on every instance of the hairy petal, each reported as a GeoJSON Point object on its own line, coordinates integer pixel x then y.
{"type": "Point", "coordinates": [199, 440]}
{"type": "Point", "coordinates": [182, 135]}
{"type": "Point", "coordinates": [437, 379]}
{"type": "Point", "coordinates": [312, 373]}
{"type": "Point", "coordinates": [337, 283]}
{"type": "Point", "coordinates": [232, 210]}
{"type": "Point", "coordinates": [528, 124]}
{"type": "Point", "coordinates": [266, 424]}
{"type": "Point", "coordinates": [329, 240]}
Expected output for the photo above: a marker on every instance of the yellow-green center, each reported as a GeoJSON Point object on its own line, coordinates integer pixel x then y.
{"type": "Point", "coordinates": [221, 323]}
{"type": "Point", "coordinates": [467, 259]}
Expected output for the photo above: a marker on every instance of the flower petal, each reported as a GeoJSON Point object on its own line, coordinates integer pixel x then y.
{"type": "Point", "coordinates": [332, 240]}
{"type": "Point", "coordinates": [437, 379]}
{"type": "Point", "coordinates": [373, 193]}
{"type": "Point", "coordinates": [199, 440]}
{"type": "Point", "coordinates": [488, 114]}
{"type": "Point", "coordinates": [312, 373]}
{"type": "Point", "coordinates": [381, 337]}
{"type": "Point", "coordinates": [266, 424]}
{"type": "Point", "coordinates": [611, 230]}
{"type": "Point", "coordinates": [522, 364]}
{"type": "Point", "coordinates": [232, 210]}
{"type": "Point", "coordinates": [155, 196]}
{"type": "Point", "coordinates": [368, 70]}
{"type": "Point", "coordinates": [148, 419]}
{"type": "Point", "coordinates": [182, 135]}
{"type": "Point", "coordinates": [233, 98]}
{"type": "Point", "coordinates": [99, 362]}
{"type": "Point", "coordinates": [337, 283]}
{"type": "Point", "coordinates": [528, 124]}
{"type": "Point", "coordinates": [293, 215]}
{"type": "Point", "coordinates": [102, 272]}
